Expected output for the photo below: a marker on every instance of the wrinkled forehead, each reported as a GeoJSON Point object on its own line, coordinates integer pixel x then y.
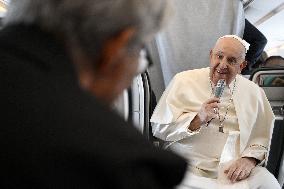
{"type": "Point", "coordinates": [230, 46]}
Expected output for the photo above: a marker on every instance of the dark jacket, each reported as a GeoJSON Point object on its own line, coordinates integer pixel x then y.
{"type": "Point", "coordinates": [257, 43]}
{"type": "Point", "coordinates": [55, 135]}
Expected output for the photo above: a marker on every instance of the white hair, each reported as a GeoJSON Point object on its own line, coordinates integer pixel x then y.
{"type": "Point", "coordinates": [242, 41]}
{"type": "Point", "coordinates": [91, 22]}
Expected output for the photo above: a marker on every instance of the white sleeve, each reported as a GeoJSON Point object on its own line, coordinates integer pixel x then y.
{"type": "Point", "coordinates": [256, 151]}
{"type": "Point", "coordinates": [177, 130]}
{"type": "Point", "coordinates": [260, 136]}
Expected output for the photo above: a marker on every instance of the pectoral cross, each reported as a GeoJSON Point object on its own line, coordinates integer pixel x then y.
{"type": "Point", "coordinates": [221, 130]}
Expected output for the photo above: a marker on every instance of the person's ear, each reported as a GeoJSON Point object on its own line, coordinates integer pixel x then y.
{"type": "Point", "coordinates": [243, 65]}
{"type": "Point", "coordinates": [113, 49]}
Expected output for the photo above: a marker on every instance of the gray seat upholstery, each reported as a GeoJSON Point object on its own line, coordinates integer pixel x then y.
{"type": "Point", "coordinates": [275, 95]}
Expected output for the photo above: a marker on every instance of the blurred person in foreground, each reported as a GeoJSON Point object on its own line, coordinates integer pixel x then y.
{"type": "Point", "coordinates": [224, 135]}
{"type": "Point", "coordinates": [62, 65]}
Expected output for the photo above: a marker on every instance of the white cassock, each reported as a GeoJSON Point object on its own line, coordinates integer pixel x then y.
{"type": "Point", "coordinates": [248, 124]}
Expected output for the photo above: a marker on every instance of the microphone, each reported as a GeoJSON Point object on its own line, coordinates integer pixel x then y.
{"type": "Point", "coordinates": [218, 92]}
{"type": "Point", "coordinates": [220, 88]}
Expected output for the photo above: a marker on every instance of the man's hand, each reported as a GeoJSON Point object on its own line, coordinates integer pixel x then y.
{"type": "Point", "coordinates": [207, 112]}
{"type": "Point", "coordinates": [240, 169]}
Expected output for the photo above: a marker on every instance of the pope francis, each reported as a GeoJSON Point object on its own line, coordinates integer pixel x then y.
{"type": "Point", "coordinates": [225, 137]}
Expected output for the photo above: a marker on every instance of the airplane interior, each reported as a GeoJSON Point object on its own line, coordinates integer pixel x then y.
{"type": "Point", "coordinates": [185, 44]}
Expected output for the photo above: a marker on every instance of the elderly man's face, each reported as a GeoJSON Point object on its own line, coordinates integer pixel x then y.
{"type": "Point", "coordinates": [227, 59]}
